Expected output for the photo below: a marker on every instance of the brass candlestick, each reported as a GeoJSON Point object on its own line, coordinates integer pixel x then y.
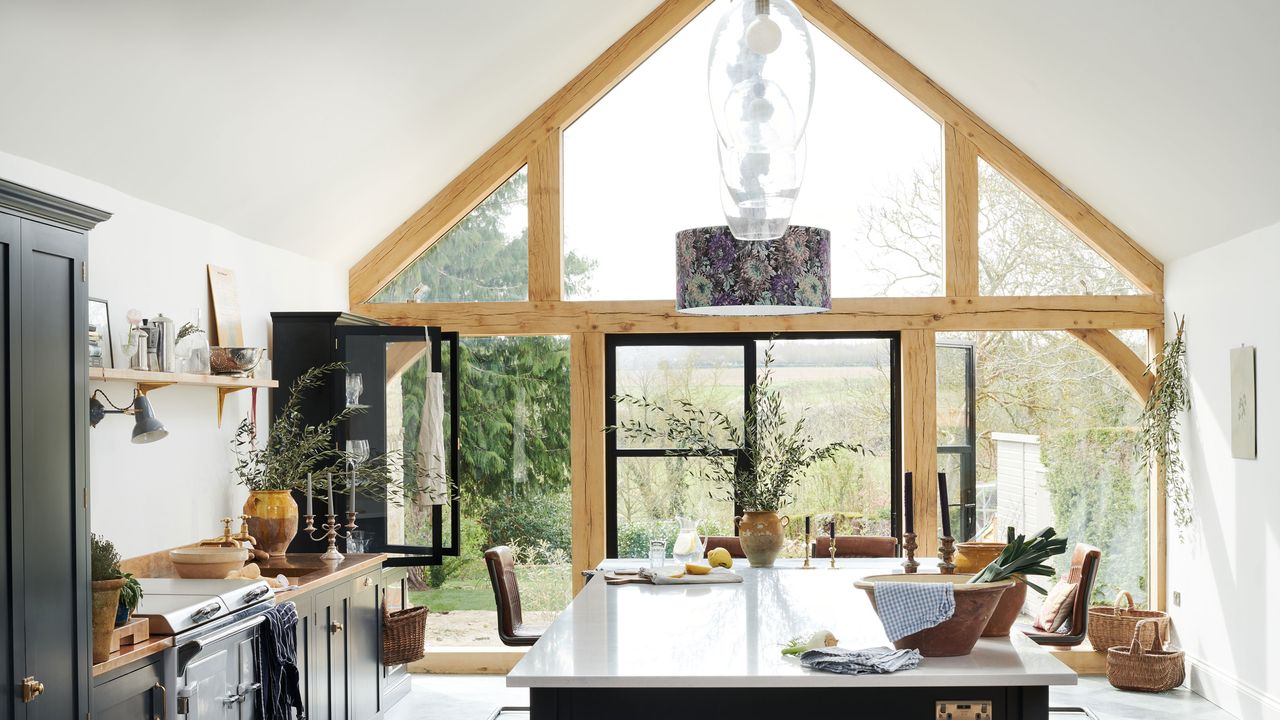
{"type": "Point", "coordinates": [833, 556]}
{"type": "Point", "coordinates": [946, 551]}
{"type": "Point", "coordinates": [331, 532]}
{"type": "Point", "coordinates": [808, 550]}
{"type": "Point", "coordinates": [909, 545]}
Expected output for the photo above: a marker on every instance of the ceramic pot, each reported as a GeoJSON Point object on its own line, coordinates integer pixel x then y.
{"type": "Point", "coordinates": [957, 635]}
{"type": "Point", "coordinates": [106, 600]}
{"type": "Point", "coordinates": [273, 519]}
{"type": "Point", "coordinates": [1007, 610]}
{"type": "Point", "coordinates": [971, 557]}
{"type": "Point", "coordinates": [761, 536]}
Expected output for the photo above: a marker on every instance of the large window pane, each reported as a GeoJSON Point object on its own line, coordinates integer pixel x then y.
{"type": "Point", "coordinates": [709, 377]}
{"type": "Point", "coordinates": [641, 164]}
{"type": "Point", "coordinates": [514, 412]}
{"type": "Point", "coordinates": [484, 257]}
{"type": "Point", "coordinates": [653, 491]}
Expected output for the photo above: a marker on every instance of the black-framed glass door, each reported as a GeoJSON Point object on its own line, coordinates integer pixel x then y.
{"type": "Point", "coordinates": [845, 385]}
{"type": "Point", "coordinates": [957, 434]}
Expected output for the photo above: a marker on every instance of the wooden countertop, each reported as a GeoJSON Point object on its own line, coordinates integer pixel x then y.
{"type": "Point", "coordinates": [306, 570]}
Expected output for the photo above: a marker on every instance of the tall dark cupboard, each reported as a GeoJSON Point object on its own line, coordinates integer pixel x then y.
{"type": "Point", "coordinates": [45, 631]}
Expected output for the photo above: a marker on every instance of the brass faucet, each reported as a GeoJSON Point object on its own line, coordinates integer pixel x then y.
{"type": "Point", "coordinates": [243, 535]}
{"type": "Point", "coordinates": [226, 540]}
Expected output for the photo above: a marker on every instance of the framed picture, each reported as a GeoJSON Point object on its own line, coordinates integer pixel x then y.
{"type": "Point", "coordinates": [100, 346]}
{"type": "Point", "coordinates": [1244, 412]}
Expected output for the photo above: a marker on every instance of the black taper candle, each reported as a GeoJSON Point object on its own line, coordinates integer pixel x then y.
{"type": "Point", "coordinates": [908, 505]}
{"type": "Point", "coordinates": [806, 525]}
{"type": "Point", "coordinates": [946, 507]}
{"type": "Point", "coordinates": [832, 528]}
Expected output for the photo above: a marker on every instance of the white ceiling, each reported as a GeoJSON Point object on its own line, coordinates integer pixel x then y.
{"type": "Point", "coordinates": [319, 125]}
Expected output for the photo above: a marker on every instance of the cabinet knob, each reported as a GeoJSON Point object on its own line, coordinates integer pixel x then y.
{"type": "Point", "coordinates": [368, 581]}
{"type": "Point", "coordinates": [335, 628]}
{"type": "Point", "coordinates": [31, 689]}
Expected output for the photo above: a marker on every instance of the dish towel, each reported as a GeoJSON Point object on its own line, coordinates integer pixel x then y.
{"type": "Point", "coordinates": [277, 665]}
{"type": "Point", "coordinates": [906, 608]}
{"type": "Point", "coordinates": [431, 453]}
{"type": "Point", "coordinates": [869, 661]}
{"type": "Point", "coordinates": [676, 576]}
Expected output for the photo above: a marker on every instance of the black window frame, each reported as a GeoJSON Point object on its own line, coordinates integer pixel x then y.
{"type": "Point", "coordinates": [966, 499]}
{"type": "Point", "coordinates": [750, 363]}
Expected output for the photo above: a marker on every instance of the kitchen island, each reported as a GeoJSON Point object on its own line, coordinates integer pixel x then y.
{"type": "Point", "coordinates": [699, 651]}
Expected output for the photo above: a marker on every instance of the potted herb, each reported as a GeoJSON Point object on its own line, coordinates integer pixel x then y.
{"type": "Point", "coordinates": [774, 455]}
{"type": "Point", "coordinates": [130, 596]}
{"type": "Point", "coordinates": [104, 567]}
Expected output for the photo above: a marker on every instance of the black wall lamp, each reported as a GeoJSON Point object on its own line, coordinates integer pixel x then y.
{"type": "Point", "coordinates": [146, 428]}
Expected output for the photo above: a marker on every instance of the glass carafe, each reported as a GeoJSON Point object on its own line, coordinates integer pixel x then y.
{"type": "Point", "coordinates": [688, 546]}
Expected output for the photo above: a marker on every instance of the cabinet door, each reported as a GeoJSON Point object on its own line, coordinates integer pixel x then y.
{"type": "Point", "coordinates": [136, 695]}
{"type": "Point", "coordinates": [330, 660]}
{"type": "Point", "coordinates": [11, 627]}
{"type": "Point", "coordinates": [54, 529]}
{"type": "Point", "coordinates": [365, 643]}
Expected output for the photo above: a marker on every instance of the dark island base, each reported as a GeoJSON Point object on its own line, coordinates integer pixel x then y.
{"type": "Point", "coordinates": [910, 703]}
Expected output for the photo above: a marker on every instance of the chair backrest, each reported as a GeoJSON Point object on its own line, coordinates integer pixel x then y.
{"type": "Point", "coordinates": [506, 590]}
{"type": "Point", "coordinates": [1084, 570]}
{"type": "Point", "coordinates": [728, 542]}
{"type": "Point", "coordinates": [856, 546]}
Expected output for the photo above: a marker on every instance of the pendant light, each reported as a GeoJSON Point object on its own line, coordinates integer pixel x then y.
{"type": "Point", "coordinates": [760, 78]}
{"type": "Point", "coordinates": [718, 274]}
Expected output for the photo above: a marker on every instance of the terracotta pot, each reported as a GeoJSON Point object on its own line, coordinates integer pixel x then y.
{"type": "Point", "coordinates": [273, 519]}
{"type": "Point", "coordinates": [106, 600]}
{"type": "Point", "coordinates": [761, 536]}
{"type": "Point", "coordinates": [956, 636]}
{"type": "Point", "coordinates": [971, 557]}
{"type": "Point", "coordinates": [1007, 610]}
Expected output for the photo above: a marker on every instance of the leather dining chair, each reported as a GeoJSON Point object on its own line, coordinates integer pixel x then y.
{"type": "Point", "coordinates": [856, 546]}
{"type": "Point", "coordinates": [506, 593]}
{"type": "Point", "coordinates": [1084, 570]}
{"type": "Point", "coordinates": [728, 542]}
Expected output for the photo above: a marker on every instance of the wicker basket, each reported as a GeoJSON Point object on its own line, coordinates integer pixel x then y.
{"type": "Point", "coordinates": [1113, 626]}
{"type": "Point", "coordinates": [404, 634]}
{"type": "Point", "coordinates": [1151, 670]}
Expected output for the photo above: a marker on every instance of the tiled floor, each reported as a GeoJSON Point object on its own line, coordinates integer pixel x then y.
{"type": "Point", "coordinates": [475, 697]}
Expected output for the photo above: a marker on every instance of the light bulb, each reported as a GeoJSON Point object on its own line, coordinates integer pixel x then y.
{"type": "Point", "coordinates": [763, 35]}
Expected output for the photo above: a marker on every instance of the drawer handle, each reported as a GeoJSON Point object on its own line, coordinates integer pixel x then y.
{"type": "Point", "coordinates": [335, 628]}
{"type": "Point", "coordinates": [164, 701]}
{"type": "Point", "coordinates": [368, 581]}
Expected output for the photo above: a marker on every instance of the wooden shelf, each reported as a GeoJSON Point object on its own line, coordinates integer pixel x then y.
{"type": "Point", "coordinates": [148, 381]}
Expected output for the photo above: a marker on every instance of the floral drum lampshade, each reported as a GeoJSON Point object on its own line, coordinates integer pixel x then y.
{"type": "Point", "coordinates": [717, 274]}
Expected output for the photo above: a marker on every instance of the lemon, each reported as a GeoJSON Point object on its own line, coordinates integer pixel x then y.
{"type": "Point", "coordinates": [720, 557]}
{"type": "Point", "coordinates": [697, 569]}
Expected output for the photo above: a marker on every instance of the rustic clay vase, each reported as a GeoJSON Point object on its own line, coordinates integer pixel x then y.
{"type": "Point", "coordinates": [956, 636]}
{"type": "Point", "coordinates": [971, 557]}
{"type": "Point", "coordinates": [761, 537]}
{"type": "Point", "coordinates": [1006, 612]}
{"type": "Point", "coordinates": [273, 519]}
{"type": "Point", "coordinates": [106, 600]}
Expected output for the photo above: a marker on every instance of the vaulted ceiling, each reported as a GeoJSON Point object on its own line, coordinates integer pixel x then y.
{"type": "Point", "coordinates": [319, 125]}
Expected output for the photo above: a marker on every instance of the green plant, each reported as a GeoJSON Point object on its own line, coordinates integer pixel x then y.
{"type": "Point", "coordinates": [104, 559]}
{"type": "Point", "coordinates": [1023, 557]}
{"type": "Point", "coordinates": [774, 452]}
{"type": "Point", "coordinates": [131, 593]}
{"type": "Point", "coordinates": [1161, 422]}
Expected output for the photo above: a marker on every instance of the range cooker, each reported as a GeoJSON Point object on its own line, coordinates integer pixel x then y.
{"type": "Point", "coordinates": [210, 670]}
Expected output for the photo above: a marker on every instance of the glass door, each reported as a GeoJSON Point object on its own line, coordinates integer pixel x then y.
{"type": "Point", "coordinates": [957, 438]}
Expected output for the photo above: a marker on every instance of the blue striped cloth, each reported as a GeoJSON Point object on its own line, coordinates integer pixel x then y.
{"type": "Point", "coordinates": [906, 608]}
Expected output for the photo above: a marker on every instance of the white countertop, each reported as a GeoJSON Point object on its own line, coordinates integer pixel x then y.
{"type": "Point", "coordinates": [635, 636]}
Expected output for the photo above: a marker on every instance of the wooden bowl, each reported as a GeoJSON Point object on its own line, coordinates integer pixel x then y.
{"type": "Point", "coordinates": [974, 605]}
{"type": "Point", "coordinates": [206, 562]}
{"type": "Point", "coordinates": [971, 557]}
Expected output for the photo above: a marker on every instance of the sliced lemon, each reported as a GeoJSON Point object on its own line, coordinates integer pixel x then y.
{"type": "Point", "coordinates": [697, 569]}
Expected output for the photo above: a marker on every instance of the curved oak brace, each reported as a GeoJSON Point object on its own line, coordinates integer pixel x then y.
{"type": "Point", "coordinates": [1115, 353]}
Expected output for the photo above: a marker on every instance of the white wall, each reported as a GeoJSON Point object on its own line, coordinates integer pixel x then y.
{"type": "Point", "coordinates": [1227, 568]}
{"type": "Point", "coordinates": [150, 497]}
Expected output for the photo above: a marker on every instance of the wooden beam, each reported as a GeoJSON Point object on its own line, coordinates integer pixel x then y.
{"type": "Point", "coordinates": [1115, 353]}
{"type": "Point", "coordinates": [1112, 243]}
{"type": "Point", "coordinates": [960, 196]}
{"type": "Point", "coordinates": [501, 161]}
{"type": "Point", "coordinates": [920, 432]}
{"type": "Point", "coordinates": [586, 409]}
{"type": "Point", "coordinates": [1157, 510]}
{"type": "Point", "coordinates": [544, 220]}
{"type": "Point", "coordinates": [937, 313]}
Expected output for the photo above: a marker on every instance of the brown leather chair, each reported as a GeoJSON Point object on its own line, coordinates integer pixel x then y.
{"type": "Point", "coordinates": [506, 592]}
{"type": "Point", "coordinates": [1084, 570]}
{"type": "Point", "coordinates": [856, 546]}
{"type": "Point", "coordinates": [728, 542]}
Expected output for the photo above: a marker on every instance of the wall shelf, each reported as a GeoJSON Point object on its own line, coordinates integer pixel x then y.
{"type": "Point", "coordinates": [148, 381]}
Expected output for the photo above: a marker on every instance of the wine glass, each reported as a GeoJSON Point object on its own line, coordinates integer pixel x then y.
{"type": "Point", "coordinates": [355, 386]}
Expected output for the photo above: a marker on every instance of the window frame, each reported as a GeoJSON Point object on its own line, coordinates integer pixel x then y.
{"type": "Point", "coordinates": [968, 453]}
{"type": "Point", "coordinates": [751, 369]}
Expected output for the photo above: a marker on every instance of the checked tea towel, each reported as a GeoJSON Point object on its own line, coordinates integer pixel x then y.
{"type": "Point", "coordinates": [906, 608]}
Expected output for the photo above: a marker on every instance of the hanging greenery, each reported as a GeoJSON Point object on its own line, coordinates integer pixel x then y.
{"type": "Point", "coordinates": [1161, 422]}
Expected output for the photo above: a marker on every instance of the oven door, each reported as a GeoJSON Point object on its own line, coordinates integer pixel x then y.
{"type": "Point", "coordinates": [219, 681]}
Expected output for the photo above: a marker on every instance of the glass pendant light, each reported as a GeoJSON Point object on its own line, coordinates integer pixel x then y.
{"type": "Point", "coordinates": [760, 78]}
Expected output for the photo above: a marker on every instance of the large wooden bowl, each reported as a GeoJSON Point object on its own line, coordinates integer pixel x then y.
{"type": "Point", "coordinates": [207, 562]}
{"type": "Point", "coordinates": [974, 605]}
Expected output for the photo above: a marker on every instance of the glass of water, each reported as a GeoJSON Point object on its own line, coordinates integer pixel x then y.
{"type": "Point", "coordinates": [657, 553]}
